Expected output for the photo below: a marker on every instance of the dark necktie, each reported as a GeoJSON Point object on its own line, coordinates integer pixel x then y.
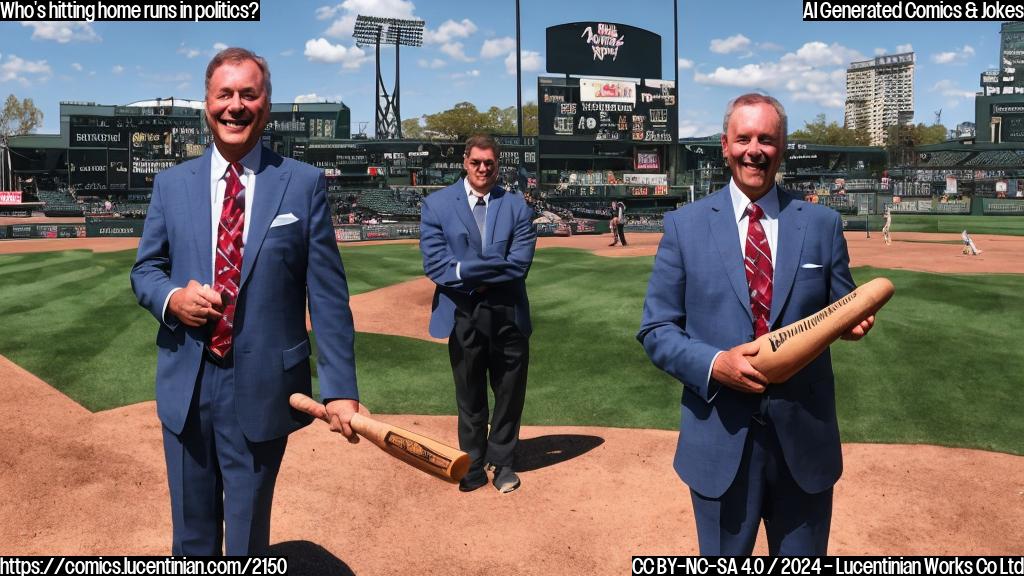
{"type": "Point", "coordinates": [758, 264]}
{"type": "Point", "coordinates": [480, 215]}
{"type": "Point", "coordinates": [228, 263]}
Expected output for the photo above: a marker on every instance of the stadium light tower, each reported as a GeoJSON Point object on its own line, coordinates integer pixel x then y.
{"type": "Point", "coordinates": [371, 30]}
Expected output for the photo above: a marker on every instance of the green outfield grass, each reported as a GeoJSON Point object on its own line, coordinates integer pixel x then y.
{"type": "Point", "coordinates": [940, 367]}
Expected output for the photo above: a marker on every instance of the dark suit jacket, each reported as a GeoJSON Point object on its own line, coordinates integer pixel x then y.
{"type": "Point", "coordinates": [449, 238]}
{"type": "Point", "coordinates": [698, 304]}
{"type": "Point", "coordinates": [281, 265]}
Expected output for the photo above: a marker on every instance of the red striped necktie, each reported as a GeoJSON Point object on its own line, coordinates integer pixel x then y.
{"type": "Point", "coordinates": [228, 263]}
{"type": "Point", "coordinates": [758, 264]}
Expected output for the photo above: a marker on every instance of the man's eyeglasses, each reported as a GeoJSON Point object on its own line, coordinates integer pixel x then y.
{"type": "Point", "coordinates": [488, 164]}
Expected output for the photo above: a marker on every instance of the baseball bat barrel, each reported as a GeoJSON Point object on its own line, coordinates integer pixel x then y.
{"type": "Point", "coordinates": [785, 351]}
{"type": "Point", "coordinates": [427, 454]}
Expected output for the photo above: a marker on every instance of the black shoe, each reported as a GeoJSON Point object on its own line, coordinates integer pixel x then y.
{"type": "Point", "coordinates": [474, 478]}
{"type": "Point", "coordinates": [505, 479]}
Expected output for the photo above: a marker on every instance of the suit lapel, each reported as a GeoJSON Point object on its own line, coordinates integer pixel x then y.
{"type": "Point", "coordinates": [463, 212]}
{"type": "Point", "coordinates": [493, 207]}
{"type": "Point", "coordinates": [792, 226]}
{"type": "Point", "coordinates": [199, 210]}
{"type": "Point", "coordinates": [725, 235]}
{"type": "Point", "coordinates": [271, 183]}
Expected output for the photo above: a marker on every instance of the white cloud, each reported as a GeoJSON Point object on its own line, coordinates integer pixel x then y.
{"type": "Point", "coordinates": [117, 69]}
{"type": "Point", "coordinates": [691, 128]}
{"type": "Point", "coordinates": [731, 44]}
{"type": "Point", "coordinates": [321, 50]}
{"type": "Point", "coordinates": [953, 90]}
{"type": "Point", "coordinates": [307, 98]}
{"type": "Point", "coordinates": [449, 31]}
{"type": "Point", "coordinates": [685, 64]}
{"type": "Point", "coordinates": [904, 48]}
{"type": "Point", "coordinates": [531, 62]}
{"type": "Point", "coordinates": [328, 12]}
{"type": "Point", "coordinates": [432, 64]}
{"type": "Point", "coordinates": [23, 71]}
{"type": "Point", "coordinates": [218, 46]}
{"type": "Point", "coordinates": [816, 72]}
{"type": "Point", "coordinates": [63, 32]}
{"type": "Point", "coordinates": [466, 74]}
{"type": "Point", "coordinates": [457, 51]}
{"type": "Point", "coordinates": [495, 47]}
{"type": "Point", "coordinates": [880, 51]}
{"type": "Point", "coordinates": [187, 51]}
{"type": "Point", "coordinates": [76, 66]}
{"type": "Point", "coordinates": [771, 47]}
{"type": "Point", "coordinates": [346, 12]}
{"type": "Point", "coordinates": [956, 56]}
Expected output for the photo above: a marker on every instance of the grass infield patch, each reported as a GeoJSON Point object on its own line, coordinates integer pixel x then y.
{"type": "Point", "coordinates": [940, 367]}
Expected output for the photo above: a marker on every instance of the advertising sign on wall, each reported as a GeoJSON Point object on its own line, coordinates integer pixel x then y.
{"type": "Point", "coordinates": [7, 198]}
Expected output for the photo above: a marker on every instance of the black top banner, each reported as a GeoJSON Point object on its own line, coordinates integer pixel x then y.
{"type": "Point", "coordinates": [603, 49]}
{"type": "Point", "coordinates": [912, 10]}
{"type": "Point", "coordinates": [130, 10]}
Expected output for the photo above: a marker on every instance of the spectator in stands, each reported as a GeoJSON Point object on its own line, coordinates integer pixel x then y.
{"type": "Point", "coordinates": [478, 242]}
{"type": "Point", "coordinates": [229, 356]}
{"type": "Point", "coordinates": [732, 266]}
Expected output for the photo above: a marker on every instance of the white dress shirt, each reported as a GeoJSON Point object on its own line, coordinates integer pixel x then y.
{"type": "Point", "coordinates": [471, 197]}
{"type": "Point", "coordinates": [769, 203]}
{"type": "Point", "coordinates": [218, 184]}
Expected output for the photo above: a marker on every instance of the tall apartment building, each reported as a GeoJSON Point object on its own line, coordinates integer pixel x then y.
{"type": "Point", "coordinates": [880, 94]}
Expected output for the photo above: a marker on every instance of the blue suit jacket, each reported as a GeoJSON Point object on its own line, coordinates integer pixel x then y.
{"type": "Point", "coordinates": [449, 238]}
{"type": "Point", "coordinates": [280, 266]}
{"type": "Point", "coordinates": [698, 303]}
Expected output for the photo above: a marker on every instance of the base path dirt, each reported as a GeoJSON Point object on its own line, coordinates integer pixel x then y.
{"type": "Point", "coordinates": [76, 483]}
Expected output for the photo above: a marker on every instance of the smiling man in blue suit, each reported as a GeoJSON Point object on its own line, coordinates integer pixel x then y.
{"type": "Point", "coordinates": [477, 241]}
{"type": "Point", "coordinates": [743, 261]}
{"type": "Point", "coordinates": [235, 242]}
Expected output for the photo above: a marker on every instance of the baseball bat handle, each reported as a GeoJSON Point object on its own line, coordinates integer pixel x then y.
{"type": "Point", "coordinates": [419, 451]}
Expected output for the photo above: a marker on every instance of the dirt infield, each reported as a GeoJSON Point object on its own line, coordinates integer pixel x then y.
{"type": "Point", "coordinates": [591, 497]}
{"type": "Point", "coordinates": [909, 251]}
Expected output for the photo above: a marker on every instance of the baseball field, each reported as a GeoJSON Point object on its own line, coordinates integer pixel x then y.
{"type": "Point", "coordinates": [929, 412]}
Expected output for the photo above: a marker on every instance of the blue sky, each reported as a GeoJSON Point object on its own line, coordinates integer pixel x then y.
{"type": "Point", "coordinates": [725, 48]}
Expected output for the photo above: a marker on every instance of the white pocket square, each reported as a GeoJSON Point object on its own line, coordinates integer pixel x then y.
{"type": "Point", "coordinates": [809, 265]}
{"type": "Point", "coordinates": [282, 219]}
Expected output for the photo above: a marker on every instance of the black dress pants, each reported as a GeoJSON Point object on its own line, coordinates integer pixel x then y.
{"type": "Point", "coordinates": [487, 345]}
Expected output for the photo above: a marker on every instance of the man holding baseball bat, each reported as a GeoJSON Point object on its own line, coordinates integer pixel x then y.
{"type": "Point", "coordinates": [731, 267]}
{"type": "Point", "coordinates": [235, 242]}
{"type": "Point", "coordinates": [477, 241]}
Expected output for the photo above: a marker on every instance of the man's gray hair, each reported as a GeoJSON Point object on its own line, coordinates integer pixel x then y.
{"type": "Point", "coordinates": [237, 55]}
{"type": "Point", "coordinates": [751, 99]}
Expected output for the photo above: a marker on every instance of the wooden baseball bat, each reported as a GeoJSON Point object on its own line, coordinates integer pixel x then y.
{"type": "Point", "coordinates": [427, 454]}
{"type": "Point", "coordinates": [785, 351]}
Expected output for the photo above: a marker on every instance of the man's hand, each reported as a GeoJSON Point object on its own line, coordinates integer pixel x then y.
{"type": "Point", "coordinates": [733, 369]}
{"type": "Point", "coordinates": [860, 330]}
{"type": "Point", "coordinates": [195, 304]}
{"type": "Point", "coordinates": [340, 413]}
